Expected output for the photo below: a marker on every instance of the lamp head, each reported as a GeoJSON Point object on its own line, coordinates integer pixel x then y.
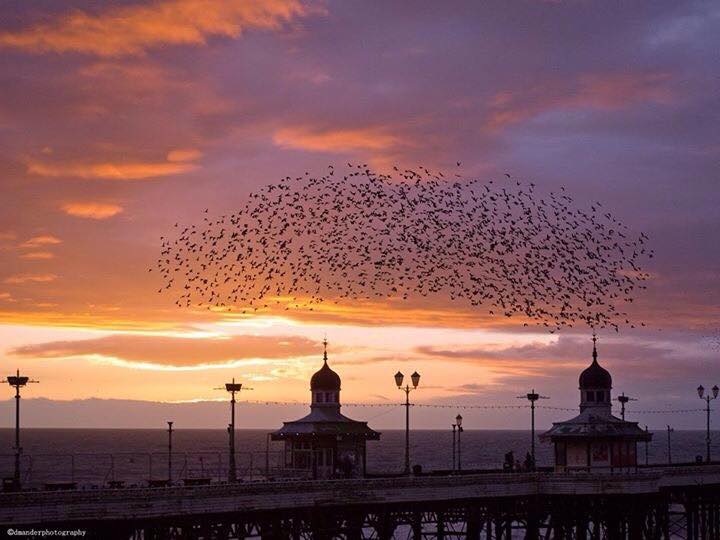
{"type": "Point", "coordinates": [233, 386]}
{"type": "Point", "coordinates": [458, 420]}
{"type": "Point", "coordinates": [415, 379]}
{"type": "Point", "coordinates": [715, 390]}
{"type": "Point", "coordinates": [16, 380]}
{"type": "Point", "coordinates": [399, 379]}
{"type": "Point", "coordinates": [701, 391]}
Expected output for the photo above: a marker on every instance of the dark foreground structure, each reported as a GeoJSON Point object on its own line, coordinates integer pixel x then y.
{"type": "Point", "coordinates": [652, 503]}
{"type": "Point", "coordinates": [326, 443]}
{"type": "Point", "coordinates": [595, 439]}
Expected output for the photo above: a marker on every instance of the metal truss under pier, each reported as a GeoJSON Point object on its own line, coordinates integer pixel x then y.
{"type": "Point", "coordinates": [662, 503]}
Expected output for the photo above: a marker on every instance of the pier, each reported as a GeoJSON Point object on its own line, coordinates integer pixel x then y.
{"type": "Point", "coordinates": [651, 503]}
{"type": "Point", "coordinates": [319, 487]}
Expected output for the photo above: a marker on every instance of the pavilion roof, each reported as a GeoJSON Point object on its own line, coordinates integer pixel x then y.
{"type": "Point", "coordinates": [325, 421]}
{"type": "Point", "coordinates": [591, 425]}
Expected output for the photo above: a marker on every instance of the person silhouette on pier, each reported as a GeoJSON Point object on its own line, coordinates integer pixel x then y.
{"type": "Point", "coordinates": [509, 463]}
{"type": "Point", "coordinates": [529, 464]}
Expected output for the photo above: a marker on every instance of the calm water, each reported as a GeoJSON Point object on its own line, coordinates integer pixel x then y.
{"type": "Point", "coordinates": [93, 456]}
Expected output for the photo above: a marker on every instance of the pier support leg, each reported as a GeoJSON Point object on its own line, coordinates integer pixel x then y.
{"type": "Point", "coordinates": [692, 521]}
{"type": "Point", "coordinates": [417, 526]}
{"type": "Point", "coordinates": [472, 523]}
{"type": "Point", "coordinates": [440, 525]}
{"type": "Point", "coordinates": [296, 528]}
{"type": "Point", "coordinates": [385, 527]}
{"type": "Point", "coordinates": [581, 529]}
{"type": "Point", "coordinates": [272, 529]}
{"type": "Point", "coordinates": [532, 523]}
{"type": "Point", "coordinates": [354, 526]}
{"type": "Point", "coordinates": [499, 529]}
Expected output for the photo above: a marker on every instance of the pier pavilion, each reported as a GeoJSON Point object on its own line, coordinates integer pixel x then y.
{"type": "Point", "coordinates": [595, 438]}
{"type": "Point", "coordinates": [326, 443]}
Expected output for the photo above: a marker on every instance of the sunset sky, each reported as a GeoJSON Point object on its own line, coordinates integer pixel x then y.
{"type": "Point", "coordinates": [119, 119]}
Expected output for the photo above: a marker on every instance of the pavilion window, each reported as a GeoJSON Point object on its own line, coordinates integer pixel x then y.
{"type": "Point", "coordinates": [590, 396]}
{"type": "Point", "coordinates": [319, 397]}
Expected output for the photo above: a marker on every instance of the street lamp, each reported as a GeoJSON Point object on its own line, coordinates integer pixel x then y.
{"type": "Point", "coordinates": [18, 382]}
{"type": "Point", "coordinates": [458, 421]}
{"type": "Point", "coordinates": [232, 387]}
{"type": "Point", "coordinates": [701, 394]}
{"type": "Point", "coordinates": [170, 432]}
{"type": "Point", "coordinates": [453, 448]}
{"type": "Point", "coordinates": [669, 431]}
{"type": "Point", "coordinates": [623, 399]}
{"type": "Point", "coordinates": [532, 397]}
{"type": "Point", "coordinates": [415, 377]}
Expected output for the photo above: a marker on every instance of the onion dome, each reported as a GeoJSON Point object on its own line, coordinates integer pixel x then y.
{"type": "Point", "coordinates": [325, 378]}
{"type": "Point", "coordinates": [595, 376]}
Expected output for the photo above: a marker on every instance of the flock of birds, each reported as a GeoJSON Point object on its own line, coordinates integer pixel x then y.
{"type": "Point", "coordinates": [357, 235]}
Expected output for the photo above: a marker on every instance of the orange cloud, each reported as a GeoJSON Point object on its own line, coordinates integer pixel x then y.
{"type": "Point", "coordinates": [133, 29]}
{"type": "Point", "coordinates": [109, 171]}
{"type": "Point", "coordinates": [335, 140]}
{"type": "Point", "coordinates": [92, 210]}
{"type": "Point", "coordinates": [621, 90]}
{"type": "Point", "coordinates": [31, 278]}
{"type": "Point", "coordinates": [184, 154]}
{"type": "Point", "coordinates": [37, 255]}
{"type": "Point", "coordinates": [42, 240]}
{"type": "Point", "coordinates": [606, 92]}
{"type": "Point", "coordinates": [176, 351]}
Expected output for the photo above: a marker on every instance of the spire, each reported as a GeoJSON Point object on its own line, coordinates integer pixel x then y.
{"type": "Point", "coordinates": [594, 339]}
{"type": "Point", "coordinates": [325, 350]}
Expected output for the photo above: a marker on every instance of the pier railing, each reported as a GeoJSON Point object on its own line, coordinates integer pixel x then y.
{"type": "Point", "coordinates": [649, 503]}
{"type": "Point", "coordinates": [123, 469]}
{"type": "Point", "coordinates": [143, 469]}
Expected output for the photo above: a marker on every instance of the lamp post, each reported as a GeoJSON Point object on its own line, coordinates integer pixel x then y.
{"type": "Point", "coordinates": [646, 448]}
{"type": "Point", "coordinates": [532, 397]}
{"type": "Point", "coordinates": [170, 432]}
{"type": "Point", "coordinates": [453, 448]}
{"type": "Point", "coordinates": [415, 377]}
{"type": "Point", "coordinates": [232, 387]}
{"type": "Point", "coordinates": [267, 456]}
{"type": "Point", "coordinates": [458, 421]}
{"type": "Point", "coordinates": [623, 399]}
{"type": "Point", "coordinates": [669, 431]}
{"type": "Point", "coordinates": [18, 382]}
{"type": "Point", "coordinates": [708, 398]}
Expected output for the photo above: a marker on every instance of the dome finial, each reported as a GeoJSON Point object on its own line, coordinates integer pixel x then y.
{"type": "Point", "coordinates": [325, 378]}
{"type": "Point", "coordinates": [594, 339]}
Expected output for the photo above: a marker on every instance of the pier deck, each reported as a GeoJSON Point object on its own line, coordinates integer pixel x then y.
{"type": "Point", "coordinates": [650, 503]}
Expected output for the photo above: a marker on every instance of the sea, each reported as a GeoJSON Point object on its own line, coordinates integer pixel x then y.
{"type": "Point", "coordinates": [93, 457]}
